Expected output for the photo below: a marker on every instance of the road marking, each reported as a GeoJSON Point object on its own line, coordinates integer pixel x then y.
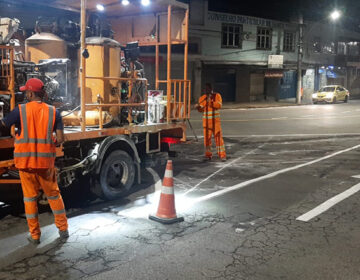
{"type": "Point", "coordinates": [285, 135]}
{"type": "Point", "coordinates": [280, 118]}
{"type": "Point", "coordinates": [222, 168]}
{"type": "Point", "coordinates": [268, 176]}
{"type": "Point", "coordinates": [285, 118]}
{"type": "Point", "coordinates": [328, 204]}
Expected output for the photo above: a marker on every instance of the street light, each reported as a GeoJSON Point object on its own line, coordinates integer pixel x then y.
{"type": "Point", "coordinates": [334, 16]}
{"type": "Point", "coordinates": [145, 2]}
{"type": "Point", "coordinates": [100, 7]}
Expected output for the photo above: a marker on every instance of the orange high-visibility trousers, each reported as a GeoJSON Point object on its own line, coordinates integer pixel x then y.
{"type": "Point", "coordinates": [31, 182]}
{"type": "Point", "coordinates": [209, 131]}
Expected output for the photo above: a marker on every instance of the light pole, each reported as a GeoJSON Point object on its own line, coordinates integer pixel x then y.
{"type": "Point", "coordinates": [334, 16]}
{"type": "Point", "coordinates": [299, 60]}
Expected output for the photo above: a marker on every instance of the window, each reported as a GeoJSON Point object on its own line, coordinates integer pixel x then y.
{"type": "Point", "coordinates": [194, 45]}
{"type": "Point", "coordinates": [263, 38]}
{"type": "Point", "coordinates": [317, 45]}
{"type": "Point", "coordinates": [289, 41]}
{"type": "Point", "coordinates": [231, 35]}
{"type": "Point", "coordinates": [341, 49]}
{"type": "Point", "coordinates": [353, 48]}
{"type": "Point", "coordinates": [329, 48]}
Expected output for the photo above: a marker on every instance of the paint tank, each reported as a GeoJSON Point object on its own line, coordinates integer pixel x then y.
{"type": "Point", "coordinates": [44, 46]}
{"type": "Point", "coordinates": [92, 118]}
{"type": "Point", "coordinates": [104, 61]}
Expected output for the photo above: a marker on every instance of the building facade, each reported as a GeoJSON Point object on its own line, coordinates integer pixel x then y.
{"type": "Point", "coordinates": [253, 59]}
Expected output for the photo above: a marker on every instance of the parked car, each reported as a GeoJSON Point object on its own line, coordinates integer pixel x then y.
{"type": "Point", "coordinates": [331, 94]}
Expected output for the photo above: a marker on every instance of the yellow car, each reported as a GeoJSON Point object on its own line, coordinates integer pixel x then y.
{"type": "Point", "coordinates": [331, 94]}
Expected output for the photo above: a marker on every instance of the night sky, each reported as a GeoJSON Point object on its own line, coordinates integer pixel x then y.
{"type": "Point", "coordinates": [289, 9]}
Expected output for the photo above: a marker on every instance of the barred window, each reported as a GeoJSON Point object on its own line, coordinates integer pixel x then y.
{"type": "Point", "coordinates": [231, 35]}
{"type": "Point", "coordinates": [263, 38]}
{"type": "Point", "coordinates": [289, 41]}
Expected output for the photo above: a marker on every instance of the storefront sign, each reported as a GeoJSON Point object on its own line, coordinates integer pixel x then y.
{"type": "Point", "coordinates": [274, 74]}
{"type": "Point", "coordinates": [275, 61]}
{"type": "Point", "coordinates": [238, 19]}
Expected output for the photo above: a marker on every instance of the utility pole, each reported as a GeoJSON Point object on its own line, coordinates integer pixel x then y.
{"type": "Point", "coordinates": [299, 61]}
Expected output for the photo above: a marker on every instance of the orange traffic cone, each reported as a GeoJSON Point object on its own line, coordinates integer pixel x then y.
{"type": "Point", "coordinates": [166, 212]}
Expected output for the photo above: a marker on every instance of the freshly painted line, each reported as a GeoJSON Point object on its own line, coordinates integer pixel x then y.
{"type": "Point", "coordinates": [279, 118]}
{"type": "Point", "coordinates": [328, 204]}
{"type": "Point", "coordinates": [286, 135]}
{"type": "Point", "coordinates": [286, 119]}
{"type": "Point", "coordinates": [222, 168]}
{"type": "Point", "coordinates": [269, 176]}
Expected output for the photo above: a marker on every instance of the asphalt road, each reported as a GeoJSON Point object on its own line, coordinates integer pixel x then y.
{"type": "Point", "coordinates": [284, 206]}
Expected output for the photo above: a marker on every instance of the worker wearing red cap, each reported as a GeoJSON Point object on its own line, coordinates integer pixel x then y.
{"type": "Point", "coordinates": [35, 153]}
{"type": "Point", "coordinates": [209, 104]}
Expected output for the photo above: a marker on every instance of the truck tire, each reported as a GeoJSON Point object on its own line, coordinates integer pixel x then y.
{"type": "Point", "coordinates": [117, 175]}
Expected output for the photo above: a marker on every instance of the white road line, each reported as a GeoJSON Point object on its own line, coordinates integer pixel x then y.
{"type": "Point", "coordinates": [286, 135]}
{"type": "Point", "coordinates": [269, 176]}
{"type": "Point", "coordinates": [222, 168]}
{"type": "Point", "coordinates": [280, 118]}
{"type": "Point", "coordinates": [328, 204]}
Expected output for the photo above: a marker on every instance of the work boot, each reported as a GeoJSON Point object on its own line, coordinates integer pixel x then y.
{"type": "Point", "coordinates": [32, 240]}
{"type": "Point", "coordinates": [64, 234]}
{"type": "Point", "coordinates": [205, 158]}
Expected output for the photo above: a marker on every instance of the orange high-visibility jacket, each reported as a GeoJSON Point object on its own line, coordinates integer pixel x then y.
{"type": "Point", "coordinates": [210, 108]}
{"type": "Point", "coordinates": [35, 146]}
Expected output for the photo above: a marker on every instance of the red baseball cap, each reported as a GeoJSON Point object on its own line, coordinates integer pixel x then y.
{"type": "Point", "coordinates": [34, 85]}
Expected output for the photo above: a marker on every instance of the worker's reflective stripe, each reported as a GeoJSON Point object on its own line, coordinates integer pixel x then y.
{"type": "Point", "coordinates": [167, 190]}
{"type": "Point", "coordinates": [24, 128]}
{"type": "Point", "coordinates": [58, 212]}
{"type": "Point", "coordinates": [35, 154]}
{"type": "Point", "coordinates": [211, 117]}
{"type": "Point", "coordinates": [221, 148]}
{"type": "Point", "coordinates": [50, 123]}
{"type": "Point", "coordinates": [53, 197]}
{"type": "Point", "coordinates": [30, 199]}
{"type": "Point", "coordinates": [31, 216]}
{"type": "Point", "coordinates": [26, 139]}
{"type": "Point", "coordinates": [211, 112]}
{"type": "Point", "coordinates": [34, 141]}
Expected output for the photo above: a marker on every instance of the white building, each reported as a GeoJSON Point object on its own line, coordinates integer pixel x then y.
{"type": "Point", "coordinates": [236, 53]}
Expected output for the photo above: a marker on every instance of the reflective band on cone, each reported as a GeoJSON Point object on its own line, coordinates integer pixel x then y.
{"type": "Point", "coordinates": [166, 212]}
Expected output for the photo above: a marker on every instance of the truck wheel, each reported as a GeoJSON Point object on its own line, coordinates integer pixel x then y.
{"type": "Point", "coordinates": [117, 175]}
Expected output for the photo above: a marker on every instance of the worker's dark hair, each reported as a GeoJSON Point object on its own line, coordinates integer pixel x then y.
{"type": "Point", "coordinates": [41, 93]}
{"type": "Point", "coordinates": [208, 85]}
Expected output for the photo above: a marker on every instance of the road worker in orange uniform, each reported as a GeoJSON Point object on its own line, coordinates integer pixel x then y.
{"type": "Point", "coordinates": [34, 156]}
{"type": "Point", "coordinates": [209, 104]}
